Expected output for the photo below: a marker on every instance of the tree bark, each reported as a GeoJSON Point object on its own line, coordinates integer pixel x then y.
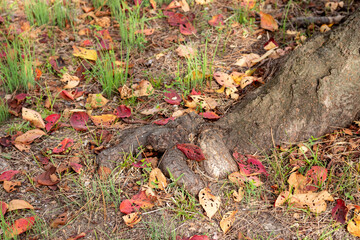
{"type": "Point", "coordinates": [315, 91]}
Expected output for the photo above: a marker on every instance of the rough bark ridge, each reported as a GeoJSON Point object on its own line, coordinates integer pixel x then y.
{"type": "Point", "coordinates": [316, 90]}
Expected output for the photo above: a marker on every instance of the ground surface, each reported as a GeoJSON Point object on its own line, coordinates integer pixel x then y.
{"type": "Point", "coordinates": [91, 200]}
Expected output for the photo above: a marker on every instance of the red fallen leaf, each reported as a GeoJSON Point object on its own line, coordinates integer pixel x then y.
{"type": "Point", "coordinates": [81, 235]}
{"type": "Point", "coordinates": [51, 120]}
{"type": "Point", "coordinates": [142, 163]}
{"type": "Point", "coordinates": [137, 2]}
{"type": "Point", "coordinates": [122, 111]}
{"type": "Point", "coordinates": [318, 176]}
{"type": "Point", "coordinates": [187, 29]}
{"type": "Point", "coordinates": [217, 20]}
{"type": "Point", "coordinates": [57, 63]}
{"type": "Point", "coordinates": [5, 141]}
{"type": "Point", "coordinates": [339, 212]}
{"type": "Point", "coordinates": [21, 97]}
{"type": "Point", "coordinates": [8, 175]}
{"type": "Point", "coordinates": [66, 95]}
{"type": "Point", "coordinates": [258, 166]}
{"type": "Point", "coordinates": [195, 237]}
{"type": "Point", "coordinates": [164, 121]}
{"type": "Point", "coordinates": [76, 167]}
{"type": "Point", "coordinates": [175, 19]}
{"type": "Point", "coordinates": [194, 92]}
{"type": "Point", "coordinates": [105, 40]}
{"type": "Point", "coordinates": [271, 41]}
{"type": "Point", "coordinates": [78, 121]}
{"type": "Point", "coordinates": [3, 208]}
{"type": "Point", "coordinates": [65, 144]}
{"type": "Point", "coordinates": [127, 207]}
{"type": "Point", "coordinates": [45, 178]}
{"type": "Point", "coordinates": [191, 151]}
{"type": "Point", "coordinates": [172, 97]}
{"type": "Point", "coordinates": [139, 200]}
{"type": "Point", "coordinates": [77, 93]}
{"type": "Point", "coordinates": [86, 43]}
{"type": "Point", "coordinates": [20, 225]}
{"type": "Point", "coordinates": [209, 115]}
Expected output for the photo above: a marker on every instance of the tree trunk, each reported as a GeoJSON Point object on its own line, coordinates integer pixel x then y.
{"type": "Point", "coordinates": [316, 90]}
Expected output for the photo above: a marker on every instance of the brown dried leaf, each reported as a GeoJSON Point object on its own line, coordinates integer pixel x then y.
{"type": "Point", "coordinates": [96, 100]}
{"type": "Point", "coordinates": [157, 179]}
{"type": "Point", "coordinates": [33, 117]}
{"type": "Point", "coordinates": [239, 195]}
{"type": "Point", "coordinates": [17, 204]}
{"type": "Point", "coordinates": [227, 221]}
{"type": "Point", "coordinates": [60, 220]}
{"type": "Point", "coordinates": [314, 201]}
{"type": "Point", "coordinates": [247, 60]}
{"type": "Point", "coordinates": [10, 186]}
{"type": "Point", "coordinates": [209, 202]}
{"type": "Point", "coordinates": [132, 219]}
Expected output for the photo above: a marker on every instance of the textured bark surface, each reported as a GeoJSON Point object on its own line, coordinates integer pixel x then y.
{"type": "Point", "coordinates": [315, 91]}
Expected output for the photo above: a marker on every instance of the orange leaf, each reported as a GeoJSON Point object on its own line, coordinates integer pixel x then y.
{"type": "Point", "coordinates": [20, 225]}
{"type": "Point", "coordinates": [132, 219]}
{"type": "Point", "coordinates": [268, 22]}
{"type": "Point", "coordinates": [209, 202]}
{"type": "Point", "coordinates": [227, 221]}
{"type": "Point", "coordinates": [60, 220]}
{"type": "Point", "coordinates": [33, 117]}
{"type": "Point", "coordinates": [19, 204]}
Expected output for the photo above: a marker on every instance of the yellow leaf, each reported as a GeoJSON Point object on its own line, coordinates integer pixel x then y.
{"type": "Point", "coordinates": [132, 219]}
{"type": "Point", "coordinates": [354, 226]}
{"type": "Point", "coordinates": [209, 202]}
{"type": "Point", "coordinates": [33, 117]}
{"type": "Point", "coordinates": [220, 90]}
{"type": "Point", "coordinates": [268, 22]}
{"type": "Point", "coordinates": [17, 204]}
{"type": "Point", "coordinates": [85, 53]}
{"type": "Point", "coordinates": [96, 100]}
{"type": "Point", "coordinates": [157, 179]}
{"type": "Point", "coordinates": [227, 221]}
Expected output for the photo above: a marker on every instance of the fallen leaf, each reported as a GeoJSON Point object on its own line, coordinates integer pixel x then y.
{"type": "Point", "coordinates": [10, 186]}
{"type": "Point", "coordinates": [132, 219]}
{"type": "Point", "coordinates": [104, 172]}
{"type": "Point", "coordinates": [240, 179]}
{"type": "Point", "coordinates": [153, 4]}
{"type": "Point", "coordinates": [122, 111]}
{"type": "Point", "coordinates": [157, 179]}
{"type": "Point", "coordinates": [340, 211]}
{"type": "Point", "coordinates": [146, 32]}
{"type": "Point", "coordinates": [33, 117]}
{"type": "Point", "coordinates": [185, 51]}
{"type": "Point", "coordinates": [144, 88]}
{"type": "Point", "coordinates": [249, 4]}
{"type": "Point", "coordinates": [209, 115]}
{"type": "Point", "coordinates": [66, 95]}
{"type": "Point", "coordinates": [84, 53]}
{"type": "Point", "coordinates": [96, 101]}
{"type": "Point", "coordinates": [209, 202]}
{"type": "Point", "coordinates": [164, 121]}
{"type": "Point", "coordinates": [191, 151]}
{"type": "Point", "coordinates": [170, 96]}
{"type": "Point", "coordinates": [270, 44]}
{"type": "Point", "coordinates": [17, 204]}
{"type": "Point", "coordinates": [60, 220]}
{"type": "Point", "coordinates": [184, 6]}
{"type": "Point", "coordinates": [227, 221]}
{"type": "Point", "coordinates": [3, 208]}
{"type": "Point", "coordinates": [239, 195]}
{"type": "Point", "coordinates": [187, 29]}
{"type": "Point", "coordinates": [139, 200]}
{"type": "Point", "coordinates": [196, 101]}
{"type": "Point", "coordinates": [173, 4]}
{"type": "Point", "coordinates": [314, 201]}
{"type": "Point", "coordinates": [77, 167]}
{"type": "Point", "coordinates": [247, 80]}
{"type": "Point", "coordinates": [217, 21]}
{"type": "Point", "coordinates": [282, 198]}
{"type": "Point", "coordinates": [78, 121]}
{"type": "Point", "coordinates": [23, 141]}
{"type": "Point", "coordinates": [8, 175]}
{"type": "Point", "coordinates": [317, 175]}
{"type": "Point", "coordinates": [81, 235]}
{"type": "Point", "coordinates": [203, 2]}
{"type": "Point", "coordinates": [298, 183]}
{"type": "Point", "coordinates": [105, 41]}
{"type": "Point", "coordinates": [20, 226]}
{"type": "Point", "coordinates": [48, 178]}
{"type": "Point", "coordinates": [51, 120]}
{"type": "Point", "coordinates": [268, 22]}
{"type": "Point", "coordinates": [63, 145]}
{"type": "Point", "coordinates": [105, 120]}
{"type": "Point", "coordinates": [354, 224]}
{"type": "Point", "coordinates": [247, 60]}
{"type": "Point", "coordinates": [224, 79]}
{"type": "Point", "coordinates": [70, 81]}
